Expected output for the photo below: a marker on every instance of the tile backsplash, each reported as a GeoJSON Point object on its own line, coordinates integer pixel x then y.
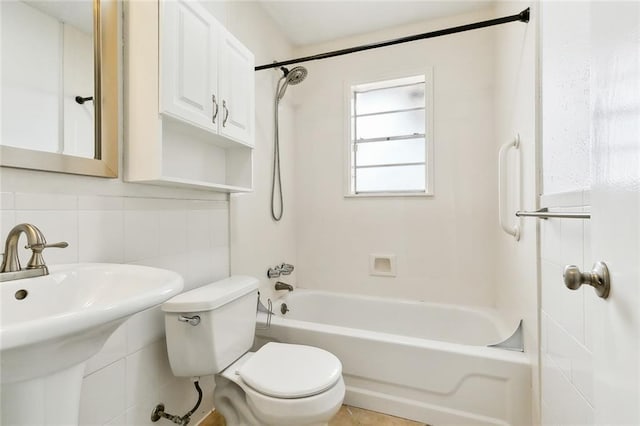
{"type": "Point", "coordinates": [131, 374]}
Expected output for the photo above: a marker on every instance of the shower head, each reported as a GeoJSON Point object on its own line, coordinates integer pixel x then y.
{"type": "Point", "coordinates": [293, 77]}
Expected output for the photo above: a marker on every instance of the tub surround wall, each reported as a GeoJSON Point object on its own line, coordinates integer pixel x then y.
{"type": "Point", "coordinates": [439, 241]}
{"type": "Point", "coordinates": [257, 241]}
{"type": "Point", "coordinates": [567, 322]}
{"type": "Point", "coordinates": [108, 220]}
{"type": "Point", "coordinates": [564, 74]}
{"type": "Point", "coordinates": [590, 346]}
{"type": "Point", "coordinates": [516, 280]}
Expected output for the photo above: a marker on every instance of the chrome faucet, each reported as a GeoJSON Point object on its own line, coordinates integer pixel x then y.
{"type": "Point", "coordinates": [283, 286]}
{"type": "Point", "coordinates": [10, 268]}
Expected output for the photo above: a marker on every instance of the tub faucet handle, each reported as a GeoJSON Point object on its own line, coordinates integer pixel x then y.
{"type": "Point", "coordinates": [282, 269]}
{"type": "Point", "coordinates": [273, 272]}
{"type": "Point", "coordinates": [286, 268]}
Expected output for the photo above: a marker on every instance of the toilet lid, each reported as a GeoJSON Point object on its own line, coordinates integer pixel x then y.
{"type": "Point", "coordinates": [284, 370]}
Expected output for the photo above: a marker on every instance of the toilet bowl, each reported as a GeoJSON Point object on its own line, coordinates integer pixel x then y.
{"type": "Point", "coordinates": [210, 331]}
{"type": "Point", "coordinates": [283, 385]}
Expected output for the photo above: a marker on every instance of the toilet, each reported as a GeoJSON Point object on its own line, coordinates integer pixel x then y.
{"type": "Point", "coordinates": [210, 330]}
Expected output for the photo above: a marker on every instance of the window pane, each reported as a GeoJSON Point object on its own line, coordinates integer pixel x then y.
{"type": "Point", "coordinates": [392, 124]}
{"type": "Point", "coordinates": [391, 99]}
{"type": "Point", "coordinates": [399, 178]}
{"type": "Point", "coordinates": [388, 152]}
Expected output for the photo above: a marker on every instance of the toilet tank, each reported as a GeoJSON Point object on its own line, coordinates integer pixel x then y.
{"type": "Point", "coordinates": [225, 331]}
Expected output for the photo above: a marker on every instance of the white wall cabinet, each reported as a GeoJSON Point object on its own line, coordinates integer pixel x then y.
{"type": "Point", "coordinates": [189, 88]}
{"type": "Point", "coordinates": [189, 69]}
{"type": "Point", "coordinates": [236, 84]}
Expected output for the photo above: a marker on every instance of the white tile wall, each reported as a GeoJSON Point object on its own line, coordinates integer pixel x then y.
{"type": "Point", "coordinates": [102, 398]}
{"type": "Point", "coordinates": [147, 369]}
{"type": "Point", "coordinates": [131, 374]}
{"type": "Point", "coordinates": [431, 237]}
{"type": "Point", "coordinates": [567, 316]}
{"type": "Point", "coordinates": [114, 349]}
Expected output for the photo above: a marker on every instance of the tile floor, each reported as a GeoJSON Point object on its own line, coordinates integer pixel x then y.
{"type": "Point", "coordinates": [353, 416]}
{"type": "Point", "coordinates": [347, 416]}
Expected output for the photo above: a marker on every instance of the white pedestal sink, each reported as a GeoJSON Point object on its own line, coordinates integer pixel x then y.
{"type": "Point", "coordinates": [64, 319]}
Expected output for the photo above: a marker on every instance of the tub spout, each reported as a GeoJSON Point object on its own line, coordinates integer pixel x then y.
{"type": "Point", "coordinates": [283, 286]}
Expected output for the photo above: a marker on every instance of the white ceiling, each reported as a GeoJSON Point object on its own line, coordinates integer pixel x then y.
{"type": "Point", "coordinates": [309, 22]}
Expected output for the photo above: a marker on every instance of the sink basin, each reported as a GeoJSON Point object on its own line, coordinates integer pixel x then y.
{"type": "Point", "coordinates": [50, 325]}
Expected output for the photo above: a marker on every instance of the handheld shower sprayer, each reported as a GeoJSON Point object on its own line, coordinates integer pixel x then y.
{"type": "Point", "coordinates": [294, 76]}
{"type": "Point", "coordinates": [290, 77]}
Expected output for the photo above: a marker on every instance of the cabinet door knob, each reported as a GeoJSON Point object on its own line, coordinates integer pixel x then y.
{"type": "Point", "coordinates": [598, 278]}
{"type": "Point", "coordinates": [215, 109]}
{"type": "Point", "coordinates": [226, 113]}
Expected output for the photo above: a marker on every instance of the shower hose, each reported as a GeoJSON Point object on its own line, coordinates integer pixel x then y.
{"type": "Point", "coordinates": [276, 180]}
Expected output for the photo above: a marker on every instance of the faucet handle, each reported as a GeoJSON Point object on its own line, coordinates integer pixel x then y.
{"type": "Point", "coordinates": [36, 260]}
{"type": "Point", "coordinates": [286, 269]}
{"type": "Point", "coordinates": [274, 272]}
{"type": "Point", "coordinates": [61, 244]}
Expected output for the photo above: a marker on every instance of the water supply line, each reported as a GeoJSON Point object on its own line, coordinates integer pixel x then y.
{"type": "Point", "coordinates": [159, 413]}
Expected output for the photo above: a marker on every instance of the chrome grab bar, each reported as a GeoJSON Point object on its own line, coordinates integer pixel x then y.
{"type": "Point", "coordinates": [544, 213]}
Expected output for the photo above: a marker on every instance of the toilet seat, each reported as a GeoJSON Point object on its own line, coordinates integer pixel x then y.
{"type": "Point", "coordinates": [289, 371]}
{"type": "Point", "coordinates": [313, 409]}
{"type": "Point", "coordinates": [286, 411]}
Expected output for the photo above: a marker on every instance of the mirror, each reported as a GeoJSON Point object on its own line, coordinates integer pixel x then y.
{"type": "Point", "coordinates": [60, 86]}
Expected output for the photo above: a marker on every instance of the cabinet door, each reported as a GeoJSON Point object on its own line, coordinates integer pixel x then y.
{"type": "Point", "coordinates": [188, 72]}
{"type": "Point", "coordinates": [237, 89]}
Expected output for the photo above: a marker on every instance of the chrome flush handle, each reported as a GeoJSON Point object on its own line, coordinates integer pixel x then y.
{"type": "Point", "coordinates": [194, 320]}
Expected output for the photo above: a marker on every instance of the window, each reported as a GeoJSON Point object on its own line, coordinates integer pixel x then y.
{"type": "Point", "coordinates": [390, 137]}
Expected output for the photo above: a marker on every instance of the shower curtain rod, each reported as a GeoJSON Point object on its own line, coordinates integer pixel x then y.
{"type": "Point", "coordinates": [521, 17]}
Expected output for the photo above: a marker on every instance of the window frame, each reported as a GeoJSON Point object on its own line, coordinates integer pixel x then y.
{"type": "Point", "coordinates": [428, 136]}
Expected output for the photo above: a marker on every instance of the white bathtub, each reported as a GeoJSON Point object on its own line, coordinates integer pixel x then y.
{"type": "Point", "coordinates": [422, 361]}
